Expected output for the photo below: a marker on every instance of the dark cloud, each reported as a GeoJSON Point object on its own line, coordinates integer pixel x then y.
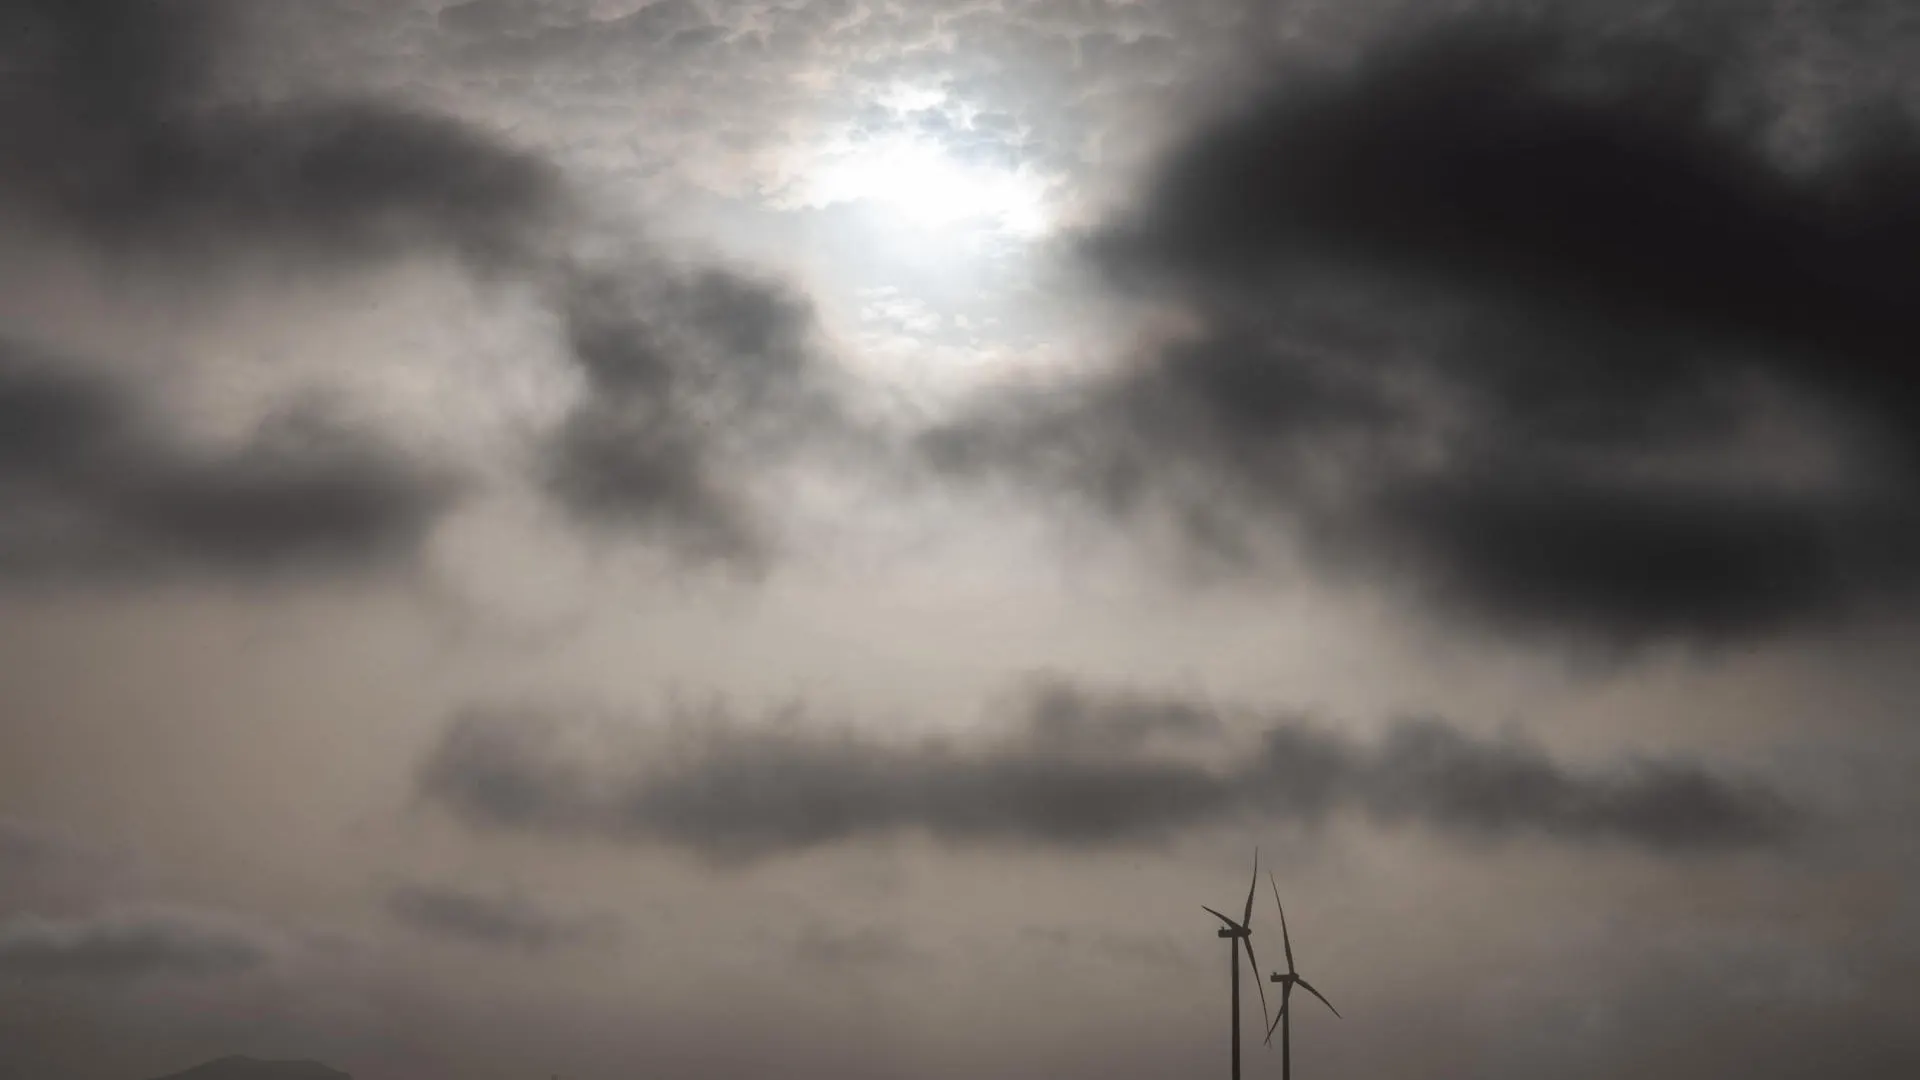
{"type": "Point", "coordinates": [697, 381]}
{"type": "Point", "coordinates": [118, 126]}
{"type": "Point", "coordinates": [729, 790]}
{"type": "Point", "coordinates": [1538, 321]}
{"type": "Point", "coordinates": [506, 920]}
{"type": "Point", "coordinates": [1062, 716]}
{"type": "Point", "coordinates": [94, 488]}
{"type": "Point", "coordinates": [126, 946]}
{"type": "Point", "coordinates": [122, 132]}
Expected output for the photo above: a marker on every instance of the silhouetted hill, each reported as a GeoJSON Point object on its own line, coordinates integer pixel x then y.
{"type": "Point", "coordinates": [245, 1068]}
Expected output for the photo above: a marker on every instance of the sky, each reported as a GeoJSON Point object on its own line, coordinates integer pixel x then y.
{"type": "Point", "coordinates": [713, 538]}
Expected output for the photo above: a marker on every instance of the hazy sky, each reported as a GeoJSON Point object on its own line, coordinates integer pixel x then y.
{"type": "Point", "coordinates": [710, 538]}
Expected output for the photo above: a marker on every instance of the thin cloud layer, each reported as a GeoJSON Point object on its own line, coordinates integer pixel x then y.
{"type": "Point", "coordinates": [499, 920]}
{"type": "Point", "coordinates": [25, 848]}
{"type": "Point", "coordinates": [1532, 321]}
{"type": "Point", "coordinates": [96, 489]}
{"type": "Point", "coordinates": [731, 791]}
{"type": "Point", "coordinates": [127, 946]}
{"type": "Point", "coordinates": [823, 948]}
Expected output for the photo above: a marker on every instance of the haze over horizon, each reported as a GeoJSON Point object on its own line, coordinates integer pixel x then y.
{"type": "Point", "coordinates": [701, 537]}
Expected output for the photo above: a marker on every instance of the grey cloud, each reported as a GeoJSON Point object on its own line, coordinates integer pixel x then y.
{"type": "Point", "coordinates": [1062, 715]}
{"type": "Point", "coordinates": [123, 134]}
{"type": "Point", "coordinates": [118, 129]}
{"type": "Point", "coordinates": [573, 33]}
{"type": "Point", "coordinates": [1428, 771]}
{"type": "Point", "coordinates": [697, 381]}
{"type": "Point", "coordinates": [491, 18]}
{"type": "Point", "coordinates": [96, 489]}
{"type": "Point", "coordinates": [499, 919]}
{"type": "Point", "coordinates": [126, 946]}
{"type": "Point", "coordinates": [613, 464]}
{"type": "Point", "coordinates": [750, 792]}
{"type": "Point", "coordinates": [1527, 318]}
{"type": "Point", "coordinates": [25, 847]}
{"type": "Point", "coordinates": [128, 139]}
{"type": "Point", "coordinates": [868, 947]}
{"type": "Point", "coordinates": [735, 791]}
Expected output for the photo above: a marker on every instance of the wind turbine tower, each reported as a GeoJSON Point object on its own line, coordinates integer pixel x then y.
{"type": "Point", "coordinates": [1287, 982]}
{"type": "Point", "coordinates": [1239, 936]}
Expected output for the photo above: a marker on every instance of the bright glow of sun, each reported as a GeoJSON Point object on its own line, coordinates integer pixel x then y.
{"type": "Point", "coordinates": [925, 185]}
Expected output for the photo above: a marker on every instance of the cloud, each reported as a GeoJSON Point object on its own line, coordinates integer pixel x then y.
{"type": "Point", "coordinates": [97, 489]}
{"type": "Point", "coordinates": [34, 855]}
{"type": "Point", "coordinates": [868, 947]}
{"type": "Point", "coordinates": [127, 946]}
{"type": "Point", "coordinates": [734, 791]}
{"type": "Point", "coordinates": [149, 152]}
{"type": "Point", "coordinates": [1159, 953]}
{"type": "Point", "coordinates": [135, 139]}
{"type": "Point", "coordinates": [697, 382]}
{"type": "Point", "coordinates": [1061, 716]}
{"type": "Point", "coordinates": [532, 34]}
{"type": "Point", "coordinates": [502, 920]}
{"type": "Point", "coordinates": [1533, 321]}
{"type": "Point", "coordinates": [26, 847]}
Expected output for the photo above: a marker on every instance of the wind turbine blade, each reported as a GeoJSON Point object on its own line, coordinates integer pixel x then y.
{"type": "Point", "coordinates": [1247, 919]}
{"type": "Point", "coordinates": [1285, 941]}
{"type": "Point", "coordinates": [1321, 996]}
{"type": "Point", "coordinates": [1286, 993]}
{"type": "Point", "coordinates": [1255, 961]}
{"type": "Point", "coordinates": [1230, 923]}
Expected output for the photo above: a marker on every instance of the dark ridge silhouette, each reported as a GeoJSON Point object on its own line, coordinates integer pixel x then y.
{"type": "Point", "coordinates": [246, 1068]}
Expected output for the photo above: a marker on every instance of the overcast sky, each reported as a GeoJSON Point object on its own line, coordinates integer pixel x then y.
{"type": "Point", "coordinates": [711, 538]}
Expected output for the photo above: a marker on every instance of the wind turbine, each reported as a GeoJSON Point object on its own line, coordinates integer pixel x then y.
{"type": "Point", "coordinates": [1287, 982]}
{"type": "Point", "coordinates": [1240, 935]}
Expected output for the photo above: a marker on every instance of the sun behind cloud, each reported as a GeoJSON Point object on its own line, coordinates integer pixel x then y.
{"type": "Point", "coordinates": [919, 181]}
{"type": "Point", "coordinates": [919, 163]}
